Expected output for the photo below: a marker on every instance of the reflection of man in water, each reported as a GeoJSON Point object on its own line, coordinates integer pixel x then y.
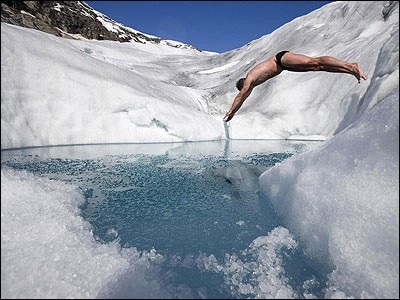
{"type": "Point", "coordinates": [290, 61]}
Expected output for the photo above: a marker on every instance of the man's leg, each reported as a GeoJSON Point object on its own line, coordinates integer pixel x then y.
{"type": "Point", "coordinates": [302, 63]}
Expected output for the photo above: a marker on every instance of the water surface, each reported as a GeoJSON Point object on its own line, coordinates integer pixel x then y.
{"type": "Point", "coordinates": [194, 204]}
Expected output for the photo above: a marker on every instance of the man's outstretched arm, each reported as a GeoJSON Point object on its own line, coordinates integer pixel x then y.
{"type": "Point", "coordinates": [239, 99]}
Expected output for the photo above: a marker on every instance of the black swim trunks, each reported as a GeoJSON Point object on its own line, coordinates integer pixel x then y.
{"type": "Point", "coordinates": [279, 58]}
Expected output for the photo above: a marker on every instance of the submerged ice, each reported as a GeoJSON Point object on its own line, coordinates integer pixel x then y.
{"type": "Point", "coordinates": [158, 218]}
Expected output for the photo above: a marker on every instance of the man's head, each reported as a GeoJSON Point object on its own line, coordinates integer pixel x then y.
{"type": "Point", "coordinates": [239, 83]}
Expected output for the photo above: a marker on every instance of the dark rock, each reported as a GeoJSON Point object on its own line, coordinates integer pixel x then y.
{"type": "Point", "coordinates": [67, 19]}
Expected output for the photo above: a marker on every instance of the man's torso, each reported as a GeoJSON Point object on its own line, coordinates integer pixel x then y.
{"type": "Point", "coordinates": [264, 71]}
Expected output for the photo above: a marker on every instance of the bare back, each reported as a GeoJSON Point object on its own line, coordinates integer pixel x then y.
{"type": "Point", "coordinates": [264, 71]}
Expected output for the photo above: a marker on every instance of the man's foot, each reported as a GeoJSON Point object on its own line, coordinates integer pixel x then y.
{"type": "Point", "coordinates": [358, 73]}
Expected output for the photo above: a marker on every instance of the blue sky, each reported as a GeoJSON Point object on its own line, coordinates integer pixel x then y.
{"type": "Point", "coordinates": [218, 26]}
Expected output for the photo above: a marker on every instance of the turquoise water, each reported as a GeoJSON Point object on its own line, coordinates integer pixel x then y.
{"type": "Point", "coordinates": [191, 202]}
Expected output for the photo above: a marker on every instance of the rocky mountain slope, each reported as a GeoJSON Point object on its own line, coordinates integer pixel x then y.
{"type": "Point", "coordinates": [72, 19]}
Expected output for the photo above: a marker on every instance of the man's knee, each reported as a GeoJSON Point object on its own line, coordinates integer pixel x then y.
{"type": "Point", "coordinates": [315, 64]}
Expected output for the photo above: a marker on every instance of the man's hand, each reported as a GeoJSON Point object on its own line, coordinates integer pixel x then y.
{"type": "Point", "coordinates": [228, 117]}
{"type": "Point", "coordinates": [239, 99]}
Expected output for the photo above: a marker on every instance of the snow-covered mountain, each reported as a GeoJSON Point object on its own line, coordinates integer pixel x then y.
{"type": "Point", "coordinates": [99, 91]}
{"type": "Point", "coordinates": [74, 19]}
